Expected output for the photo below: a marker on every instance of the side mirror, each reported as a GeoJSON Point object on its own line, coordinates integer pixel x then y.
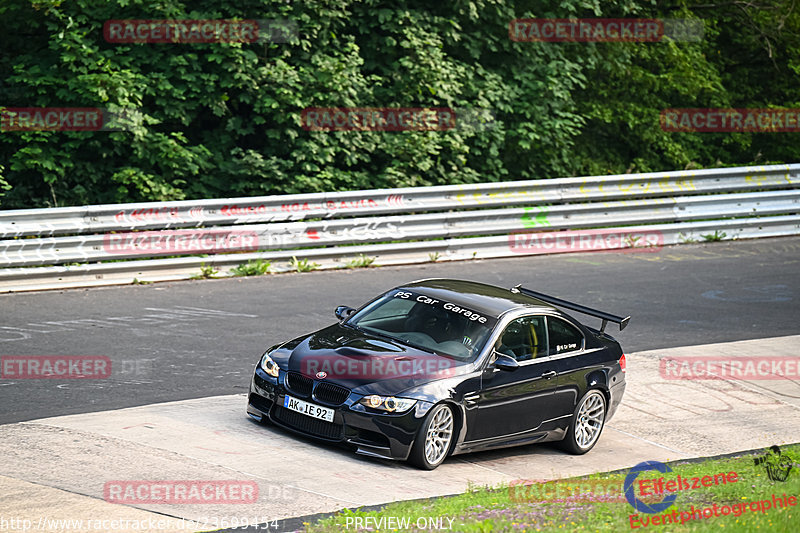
{"type": "Point", "coordinates": [505, 362]}
{"type": "Point", "coordinates": [343, 312]}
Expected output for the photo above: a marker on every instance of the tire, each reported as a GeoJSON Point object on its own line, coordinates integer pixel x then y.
{"type": "Point", "coordinates": [434, 438]}
{"type": "Point", "coordinates": [586, 424]}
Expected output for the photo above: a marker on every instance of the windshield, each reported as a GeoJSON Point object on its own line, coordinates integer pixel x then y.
{"type": "Point", "coordinates": [431, 324]}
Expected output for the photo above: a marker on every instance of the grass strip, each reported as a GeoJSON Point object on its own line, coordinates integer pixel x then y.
{"type": "Point", "coordinates": [597, 503]}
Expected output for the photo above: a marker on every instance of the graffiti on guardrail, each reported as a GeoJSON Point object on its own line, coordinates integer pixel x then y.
{"type": "Point", "coordinates": [322, 205]}
{"type": "Point", "coordinates": [276, 210]}
{"type": "Point", "coordinates": [501, 196]}
{"type": "Point", "coordinates": [595, 187]}
{"type": "Point", "coordinates": [212, 241]}
{"type": "Point", "coordinates": [368, 230]}
{"type": "Point", "coordinates": [679, 203]}
{"type": "Point", "coordinates": [638, 187]}
{"type": "Point", "coordinates": [153, 213]}
{"type": "Point", "coordinates": [535, 217]}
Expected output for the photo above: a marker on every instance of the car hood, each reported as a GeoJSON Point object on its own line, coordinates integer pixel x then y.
{"type": "Point", "coordinates": [364, 363]}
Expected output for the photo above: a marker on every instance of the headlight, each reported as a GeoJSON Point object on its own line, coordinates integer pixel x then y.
{"type": "Point", "coordinates": [269, 366]}
{"type": "Point", "coordinates": [390, 403]}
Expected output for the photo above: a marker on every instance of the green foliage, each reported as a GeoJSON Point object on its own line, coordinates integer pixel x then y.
{"type": "Point", "coordinates": [209, 272]}
{"type": "Point", "coordinates": [302, 265]}
{"type": "Point", "coordinates": [257, 267]}
{"type": "Point", "coordinates": [362, 261]}
{"type": "Point", "coordinates": [716, 236]}
{"type": "Point", "coordinates": [632, 241]}
{"type": "Point", "coordinates": [4, 186]}
{"type": "Point", "coordinates": [224, 119]}
{"type": "Point", "coordinates": [596, 503]}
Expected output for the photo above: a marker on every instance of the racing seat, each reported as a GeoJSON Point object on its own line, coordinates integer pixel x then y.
{"type": "Point", "coordinates": [515, 343]}
{"type": "Point", "coordinates": [429, 321]}
{"type": "Point", "coordinates": [521, 339]}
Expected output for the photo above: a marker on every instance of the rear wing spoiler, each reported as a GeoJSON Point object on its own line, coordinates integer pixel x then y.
{"type": "Point", "coordinates": [606, 317]}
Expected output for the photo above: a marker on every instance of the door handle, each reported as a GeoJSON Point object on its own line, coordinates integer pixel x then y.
{"type": "Point", "coordinates": [551, 374]}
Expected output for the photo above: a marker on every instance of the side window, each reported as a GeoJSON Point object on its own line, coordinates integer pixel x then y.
{"type": "Point", "coordinates": [524, 339]}
{"type": "Point", "coordinates": [564, 337]}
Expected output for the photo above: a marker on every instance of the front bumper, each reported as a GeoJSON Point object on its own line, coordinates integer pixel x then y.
{"type": "Point", "coordinates": [388, 436]}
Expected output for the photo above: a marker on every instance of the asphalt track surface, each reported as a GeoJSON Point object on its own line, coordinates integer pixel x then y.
{"type": "Point", "coordinates": [183, 340]}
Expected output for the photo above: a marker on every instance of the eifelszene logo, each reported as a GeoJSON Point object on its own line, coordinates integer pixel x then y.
{"type": "Point", "coordinates": [660, 486]}
{"type": "Point", "coordinates": [630, 495]}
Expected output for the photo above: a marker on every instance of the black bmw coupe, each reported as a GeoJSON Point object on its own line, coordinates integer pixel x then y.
{"type": "Point", "coordinates": [439, 367]}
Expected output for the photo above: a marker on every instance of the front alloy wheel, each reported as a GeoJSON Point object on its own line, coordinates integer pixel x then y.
{"type": "Point", "coordinates": [586, 424]}
{"type": "Point", "coordinates": [433, 439]}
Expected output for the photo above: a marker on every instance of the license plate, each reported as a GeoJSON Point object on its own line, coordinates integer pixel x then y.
{"type": "Point", "coordinates": [308, 409]}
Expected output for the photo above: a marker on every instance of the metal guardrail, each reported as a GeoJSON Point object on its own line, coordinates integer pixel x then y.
{"type": "Point", "coordinates": [391, 225]}
{"type": "Point", "coordinates": [59, 250]}
{"type": "Point", "coordinates": [186, 214]}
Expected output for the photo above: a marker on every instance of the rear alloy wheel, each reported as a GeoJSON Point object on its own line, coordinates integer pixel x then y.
{"type": "Point", "coordinates": [586, 424]}
{"type": "Point", "coordinates": [433, 439]}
